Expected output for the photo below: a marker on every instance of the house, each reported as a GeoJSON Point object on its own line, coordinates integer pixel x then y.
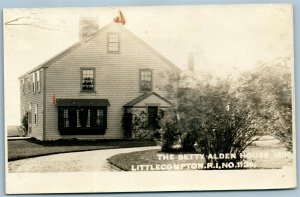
{"type": "Point", "coordinates": [84, 91]}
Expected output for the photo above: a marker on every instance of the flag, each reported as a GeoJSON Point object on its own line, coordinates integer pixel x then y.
{"type": "Point", "coordinates": [120, 18]}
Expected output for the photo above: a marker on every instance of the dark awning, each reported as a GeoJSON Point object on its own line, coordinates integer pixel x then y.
{"type": "Point", "coordinates": [82, 102]}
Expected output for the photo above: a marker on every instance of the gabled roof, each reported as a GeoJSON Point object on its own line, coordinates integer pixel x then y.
{"type": "Point", "coordinates": [150, 49]}
{"type": "Point", "coordinates": [144, 96]}
{"type": "Point", "coordinates": [81, 42]}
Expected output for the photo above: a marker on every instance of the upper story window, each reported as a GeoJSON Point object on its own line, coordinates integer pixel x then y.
{"type": "Point", "coordinates": [145, 80]}
{"type": "Point", "coordinates": [113, 42]}
{"type": "Point", "coordinates": [33, 82]}
{"type": "Point", "coordinates": [29, 83]}
{"type": "Point", "coordinates": [38, 81]}
{"type": "Point", "coordinates": [23, 85]}
{"type": "Point", "coordinates": [87, 79]}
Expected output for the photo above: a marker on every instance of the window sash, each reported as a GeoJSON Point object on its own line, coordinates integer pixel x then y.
{"type": "Point", "coordinates": [113, 42]}
{"type": "Point", "coordinates": [145, 80]}
{"type": "Point", "coordinates": [33, 82]}
{"type": "Point", "coordinates": [36, 115]}
{"type": "Point", "coordinates": [29, 84]}
{"type": "Point", "coordinates": [87, 79]}
{"type": "Point", "coordinates": [82, 117]}
{"type": "Point", "coordinates": [38, 82]}
{"type": "Point", "coordinates": [23, 85]}
{"type": "Point", "coordinates": [66, 118]}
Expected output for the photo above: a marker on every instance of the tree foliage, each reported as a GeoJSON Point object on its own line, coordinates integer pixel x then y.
{"type": "Point", "coordinates": [24, 127]}
{"type": "Point", "coordinates": [227, 115]}
{"type": "Point", "coordinates": [270, 89]}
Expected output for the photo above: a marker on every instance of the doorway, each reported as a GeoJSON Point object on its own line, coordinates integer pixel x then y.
{"type": "Point", "coordinates": [153, 117]}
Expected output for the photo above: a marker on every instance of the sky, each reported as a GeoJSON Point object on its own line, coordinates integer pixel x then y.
{"type": "Point", "coordinates": [223, 38]}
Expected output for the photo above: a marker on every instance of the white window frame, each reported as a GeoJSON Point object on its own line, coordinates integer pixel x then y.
{"type": "Point", "coordinates": [82, 79]}
{"type": "Point", "coordinates": [23, 85]}
{"type": "Point", "coordinates": [36, 115]}
{"type": "Point", "coordinates": [33, 83]}
{"type": "Point", "coordinates": [113, 42]}
{"type": "Point", "coordinates": [38, 81]}
{"type": "Point", "coordinates": [29, 84]}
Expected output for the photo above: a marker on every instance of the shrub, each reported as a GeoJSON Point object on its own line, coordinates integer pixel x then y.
{"type": "Point", "coordinates": [140, 128]}
{"type": "Point", "coordinates": [24, 126]}
{"type": "Point", "coordinates": [127, 124]}
{"type": "Point", "coordinates": [188, 142]}
{"type": "Point", "coordinates": [169, 132]}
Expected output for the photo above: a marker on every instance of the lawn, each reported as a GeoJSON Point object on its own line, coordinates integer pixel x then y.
{"type": "Point", "coordinates": [264, 155]}
{"type": "Point", "coordinates": [21, 149]}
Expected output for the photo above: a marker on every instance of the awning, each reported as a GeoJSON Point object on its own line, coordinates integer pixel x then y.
{"type": "Point", "coordinates": [82, 102]}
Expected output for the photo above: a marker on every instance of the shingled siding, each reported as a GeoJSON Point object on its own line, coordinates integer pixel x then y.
{"type": "Point", "coordinates": [116, 79]}
{"type": "Point", "coordinates": [28, 98]}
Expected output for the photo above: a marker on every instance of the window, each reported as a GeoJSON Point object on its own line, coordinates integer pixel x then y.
{"type": "Point", "coordinates": [88, 79]}
{"type": "Point", "coordinates": [33, 82]}
{"type": "Point", "coordinates": [99, 117]}
{"type": "Point", "coordinates": [113, 42]}
{"type": "Point", "coordinates": [66, 118]}
{"type": "Point", "coordinates": [23, 85]}
{"type": "Point", "coordinates": [82, 120]}
{"type": "Point", "coordinates": [145, 80]}
{"type": "Point", "coordinates": [38, 83]}
{"type": "Point", "coordinates": [36, 115]}
{"type": "Point", "coordinates": [29, 84]}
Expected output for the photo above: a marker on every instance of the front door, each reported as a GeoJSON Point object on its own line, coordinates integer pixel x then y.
{"type": "Point", "coordinates": [152, 117]}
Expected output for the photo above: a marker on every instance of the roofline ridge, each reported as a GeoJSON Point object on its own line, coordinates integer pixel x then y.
{"type": "Point", "coordinates": [77, 44]}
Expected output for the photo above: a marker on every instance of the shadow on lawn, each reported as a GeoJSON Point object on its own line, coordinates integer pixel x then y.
{"type": "Point", "coordinates": [99, 142]}
{"type": "Point", "coordinates": [23, 149]}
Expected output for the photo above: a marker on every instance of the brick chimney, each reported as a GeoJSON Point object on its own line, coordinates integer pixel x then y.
{"type": "Point", "coordinates": [191, 62]}
{"type": "Point", "coordinates": [87, 27]}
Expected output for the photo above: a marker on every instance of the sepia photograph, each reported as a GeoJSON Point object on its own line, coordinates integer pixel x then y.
{"type": "Point", "coordinates": [200, 94]}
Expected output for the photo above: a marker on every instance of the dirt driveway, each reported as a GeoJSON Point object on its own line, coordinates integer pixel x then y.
{"type": "Point", "coordinates": [87, 161]}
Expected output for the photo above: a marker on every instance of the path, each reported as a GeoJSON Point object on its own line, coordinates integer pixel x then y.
{"type": "Point", "coordinates": [87, 161]}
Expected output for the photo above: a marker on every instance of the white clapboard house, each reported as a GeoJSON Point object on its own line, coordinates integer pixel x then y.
{"type": "Point", "coordinates": [84, 91]}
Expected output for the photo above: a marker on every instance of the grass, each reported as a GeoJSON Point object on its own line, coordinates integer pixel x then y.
{"type": "Point", "coordinates": [149, 157]}
{"type": "Point", "coordinates": [125, 161]}
{"type": "Point", "coordinates": [22, 149]}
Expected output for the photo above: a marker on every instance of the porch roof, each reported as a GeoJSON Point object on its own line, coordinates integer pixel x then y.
{"type": "Point", "coordinates": [143, 97]}
{"type": "Point", "coordinates": [82, 102]}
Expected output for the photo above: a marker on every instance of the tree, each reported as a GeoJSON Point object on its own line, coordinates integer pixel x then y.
{"type": "Point", "coordinates": [213, 117]}
{"type": "Point", "coordinates": [227, 115]}
{"type": "Point", "coordinates": [269, 87]}
{"type": "Point", "coordinates": [32, 19]}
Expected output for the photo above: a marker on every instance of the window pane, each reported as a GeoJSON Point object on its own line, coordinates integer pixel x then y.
{"type": "Point", "coordinates": [88, 79]}
{"type": "Point", "coordinates": [38, 75]}
{"type": "Point", "coordinates": [100, 118]}
{"type": "Point", "coordinates": [29, 84]}
{"type": "Point", "coordinates": [146, 80]}
{"type": "Point", "coordinates": [66, 118]}
{"type": "Point", "coordinates": [113, 42]}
